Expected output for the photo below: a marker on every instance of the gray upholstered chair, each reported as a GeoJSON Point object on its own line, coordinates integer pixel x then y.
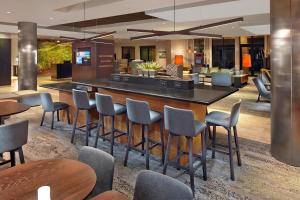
{"type": "Point", "coordinates": [221, 79]}
{"type": "Point", "coordinates": [229, 122]}
{"type": "Point", "coordinates": [12, 138]}
{"type": "Point", "coordinates": [106, 107]}
{"type": "Point", "coordinates": [103, 164]}
{"type": "Point", "coordinates": [49, 106]}
{"type": "Point", "coordinates": [262, 90]}
{"type": "Point", "coordinates": [154, 186]}
{"type": "Point", "coordinates": [181, 123]}
{"type": "Point", "coordinates": [82, 102]}
{"type": "Point", "coordinates": [138, 112]}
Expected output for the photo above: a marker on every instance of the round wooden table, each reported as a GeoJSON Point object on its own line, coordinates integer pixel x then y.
{"type": "Point", "coordinates": [110, 195]}
{"type": "Point", "coordinates": [8, 108]}
{"type": "Point", "coordinates": [68, 179]}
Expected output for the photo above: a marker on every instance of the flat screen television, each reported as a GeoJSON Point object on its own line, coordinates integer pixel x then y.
{"type": "Point", "coordinates": [83, 57]}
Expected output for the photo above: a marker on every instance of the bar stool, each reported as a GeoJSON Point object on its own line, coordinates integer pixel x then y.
{"type": "Point", "coordinates": [106, 107]}
{"type": "Point", "coordinates": [82, 102]}
{"type": "Point", "coordinates": [181, 122]}
{"type": "Point", "coordinates": [49, 106]}
{"type": "Point", "coordinates": [228, 121]}
{"type": "Point", "coordinates": [138, 112]}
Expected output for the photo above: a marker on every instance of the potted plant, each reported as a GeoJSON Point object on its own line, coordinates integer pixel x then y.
{"type": "Point", "coordinates": [143, 69]}
{"type": "Point", "coordinates": [153, 67]}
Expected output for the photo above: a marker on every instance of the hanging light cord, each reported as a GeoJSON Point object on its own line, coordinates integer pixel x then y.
{"type": "Point", "coordinates": [84, 16]}
{"type": "Point", "coordinates": [174, 15]}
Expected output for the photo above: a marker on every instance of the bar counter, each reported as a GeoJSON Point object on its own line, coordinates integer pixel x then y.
{"type": "Point", "coordinates": [196, 99]}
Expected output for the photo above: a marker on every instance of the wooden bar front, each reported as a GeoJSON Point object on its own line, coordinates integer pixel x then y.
{"type": "Point", "coordinates": [156, 104]}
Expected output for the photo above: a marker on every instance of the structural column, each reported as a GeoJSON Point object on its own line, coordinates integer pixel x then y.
{"type": "Point", "coordinates": [285, 65]}
{"type": "Point", "coordinates": [27, 44]}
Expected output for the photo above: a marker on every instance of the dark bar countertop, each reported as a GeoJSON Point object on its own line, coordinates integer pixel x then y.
{"type": "Point", "coordinates": [201, 94]}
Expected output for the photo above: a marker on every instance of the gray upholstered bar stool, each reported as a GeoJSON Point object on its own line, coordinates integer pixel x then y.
{"type": "Point", "coordinates": [106, 107]}
{"type": "Point", "coordinates": [138, 112]}
{"type": "Point", "coordinates": [181, 122]}
{"type": "Point", "coordinates": [82, 102]}
{"type": "Point", "coordinates": [49, 106]}
{"type": "Point", "coordinates": [12, 138]}
{"type": "Point", "coordinates": [228, 121]}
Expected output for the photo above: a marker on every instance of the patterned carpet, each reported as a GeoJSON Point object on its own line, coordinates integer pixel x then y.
{"type": "Point", "coordinates": [260, 177]}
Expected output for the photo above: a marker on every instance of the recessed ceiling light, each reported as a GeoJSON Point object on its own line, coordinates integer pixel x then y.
{"type": "Point", "coordinates": [8, 12]}
{"type": "Point", "coordinates": [51, 18]}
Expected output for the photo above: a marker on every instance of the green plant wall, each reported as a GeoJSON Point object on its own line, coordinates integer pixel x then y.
{"type": "Point", "coordinates": [53, 53]}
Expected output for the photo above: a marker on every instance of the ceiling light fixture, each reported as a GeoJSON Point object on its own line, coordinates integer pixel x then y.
{"type": "Point", "coordinates": [90, 38]}
{"type": "Point", "coordinates": [51, 18]}
{"type": "Point", "coordinates": [8, 12]}
{"type": "Point", "coordinates": [188, 31]}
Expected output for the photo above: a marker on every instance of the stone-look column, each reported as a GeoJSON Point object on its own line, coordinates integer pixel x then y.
{"type": "Point", "coordinates": [27, 42]}
{"type": "Point", "coordinates": [285, 65]}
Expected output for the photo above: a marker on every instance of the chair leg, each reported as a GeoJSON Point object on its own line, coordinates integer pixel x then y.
{"type": "Point", "coordinates": [203, 157]}
{"type": "Point", "coordinates": [191, 161]}
{"type": "Point", "coordinates": [74, 126]}
{"type": "Point", "coordinates": [87, 128]}
{"type": "Point", "coordinates": [103, 129]}
{"type": "Point", "coordinates": [258, 98]}
{"type": "Point", "coordinates": [147, 146]}
{"type": "Point", "coordinates": [52, 121]}
{"type": "Point", "coordinates": [230, 155]}
{"type": "Point", "coordinates": [143, 140]}
{"type": "Point", "coordinates": [12, 158]}
{"type": "Point", "coordinates": [167, 153]}
{"type": "Point", "coordinates": [214, 142]}
{"type": "Point", "coordinates": [112, 135]}
{"type": "Point", "coordinates": [129, 142]}
{"type": "Point", "coordinates": [57, 114]}
{"type": "Point", "coordinates": [68, 115]}
{"type": "Point", "coordinates": [238, 154]}
{"type": "Point", "coordinates": [178, 152]}
{"type": "Point", "coordinates": [162, 141]}
{"type": "Point", "coordinates": [209, 132]}
{"type": "Point", "coordinates": [43, 118]}
{"type": "Point", "coordinates": [21, 155]}
{"type": "Point", "coordinates": [97, 132]}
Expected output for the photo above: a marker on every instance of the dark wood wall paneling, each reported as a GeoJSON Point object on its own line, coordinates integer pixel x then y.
{"type": "Point", "coordinates": [5, 61]}
{"type": "Point", "coordinates": [102, 55]}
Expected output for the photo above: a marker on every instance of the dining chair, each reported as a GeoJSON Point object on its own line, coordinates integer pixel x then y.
{"type": "Point", "coordinates": [181, 123]}
{"type": "Point", "coordinates": [12, 138]}
{"type": "Point", "coordinates": [155, 186]}
{"type": "Point", "coordinates": [103, 164]}
{"type": "Point", "coordinates": [49, 106]}
{"type": "Point", "coordinates": [229, 122]}
{"type": "Point", "coordinates": [138, 112]}
{"type": "Point", "coordinates": [262, 90]}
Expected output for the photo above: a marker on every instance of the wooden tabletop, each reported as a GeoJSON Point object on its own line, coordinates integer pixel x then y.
{"type": "Point", "coordinates": [8, 108]}
{"type": "Point", "coordinates": [68, 179]}
{"type": "Point", "coordinates": [110, 195]}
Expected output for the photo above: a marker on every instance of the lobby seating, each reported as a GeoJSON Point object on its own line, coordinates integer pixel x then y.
{"type": "Point", "coordinates": [138, 112]}
{"type": "Point", "coordinates": [262, 90]}
{"type": "Point", "coordinates": [181, 123]}
{"type": "Point", "coordinates": [49, 106]}
{"type": "Point", "coordinates": [103, 164]}
{"type": "Point", "coordinates": [221, 79]}
{"type": "Point", "coordinates": [12, 138]}
{"type": "Point", "coordinates": [106, 107]}
{"type": "Point", "coordinates": [229, 122]}
{"type": "Point", "coordinates": [82, 102]}
{"type": "Point", "coordinates": [154, 186]}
